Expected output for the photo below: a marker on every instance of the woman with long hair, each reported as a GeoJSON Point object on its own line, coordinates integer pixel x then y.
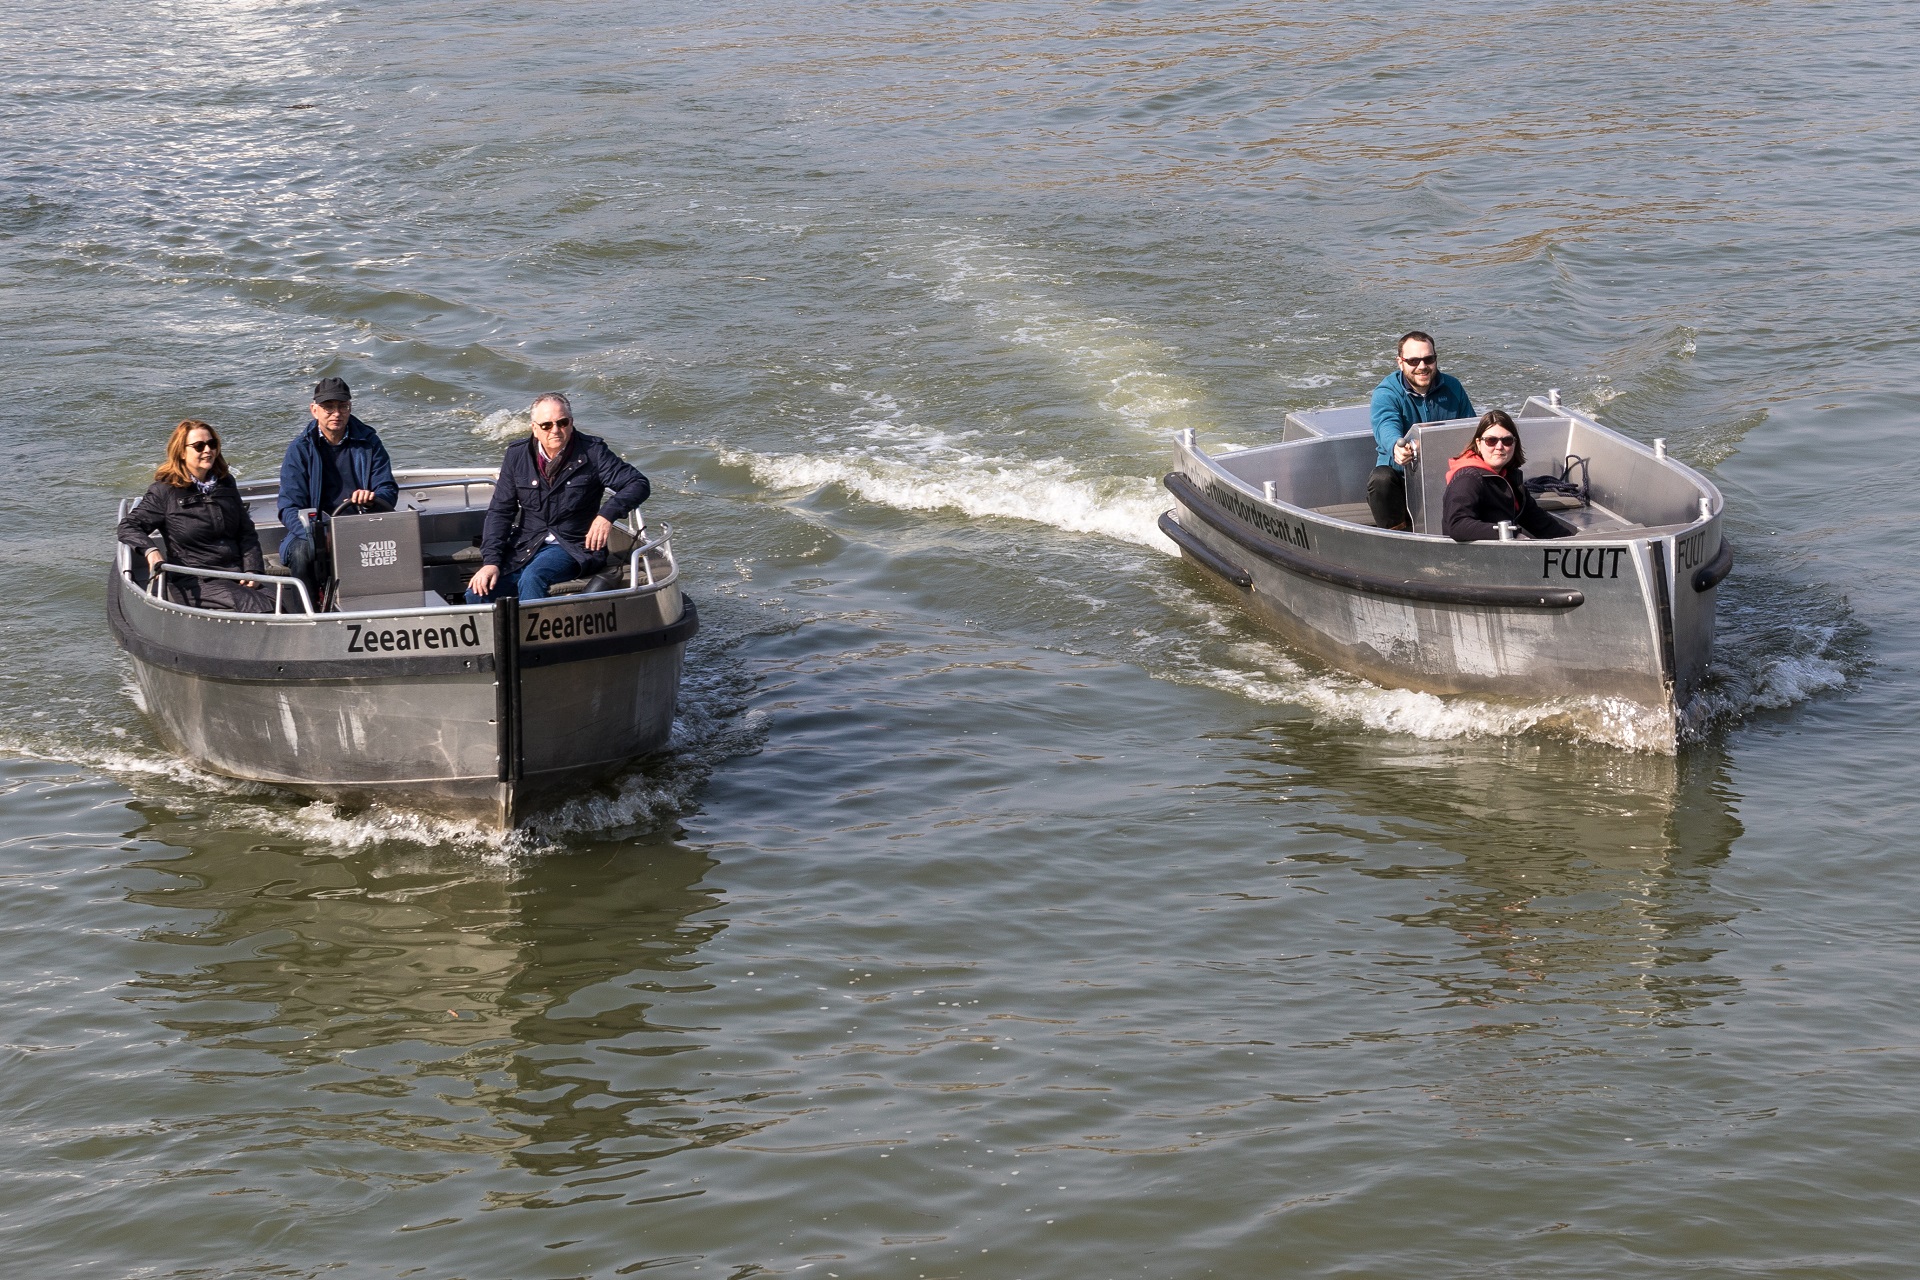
{"type": "Point", "coordinates": [1485, 487]}
{"type": "Point", "coordinates": [195, 506]}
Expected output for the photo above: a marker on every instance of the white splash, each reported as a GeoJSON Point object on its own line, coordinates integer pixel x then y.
{"type": "Point", "coordinates": [1050, 490]}
{"type": "Point", "coordinates": [504, 425]}
{"type": "Point", "coordinates": [1269, 675]}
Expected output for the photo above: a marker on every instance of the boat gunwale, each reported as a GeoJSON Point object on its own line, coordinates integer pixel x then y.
{"type": "Point", "coordinates": [302, 671]}
{"type": "Point", "coordinates": [1638, 533]}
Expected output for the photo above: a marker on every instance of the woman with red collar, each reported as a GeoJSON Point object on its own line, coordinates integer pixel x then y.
{"type": "Point", "coordinates": [1484, 487]}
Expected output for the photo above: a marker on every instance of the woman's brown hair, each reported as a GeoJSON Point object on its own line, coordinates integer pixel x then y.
{"type": "Point", "coordinates": [1495, 418]}
{"type": "Point", "coordinates": [174, 469]}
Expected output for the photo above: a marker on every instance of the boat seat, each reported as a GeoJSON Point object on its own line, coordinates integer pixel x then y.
{"type": "Point", "coordinates": [378, 561]}
{"type": "Point", "coordinates": [443, 553]}
{"type": "Point", "coordinates": [1350, 512]}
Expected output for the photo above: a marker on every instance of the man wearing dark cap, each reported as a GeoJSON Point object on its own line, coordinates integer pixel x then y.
{"type": "Point", "coordinates": [337, 460]}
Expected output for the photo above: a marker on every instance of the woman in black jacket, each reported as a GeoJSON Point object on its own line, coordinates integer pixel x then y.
{"type": "Point", "coordinates": [194, 504]}
{"type": "Point", "coordinates": [1484, 487]}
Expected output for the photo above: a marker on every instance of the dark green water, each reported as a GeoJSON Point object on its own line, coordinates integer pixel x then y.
{"type": "Point", "coordinates": [1009, 907]}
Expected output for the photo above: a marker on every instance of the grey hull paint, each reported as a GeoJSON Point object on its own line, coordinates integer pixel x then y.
{"type": "Point", "coordinates": [1623, 611]}
{"type": "Point", "coordinates": [401, 708]}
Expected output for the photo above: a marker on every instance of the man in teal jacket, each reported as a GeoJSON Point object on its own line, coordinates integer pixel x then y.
{"type": "Point", "coordinates": [1415, 392]}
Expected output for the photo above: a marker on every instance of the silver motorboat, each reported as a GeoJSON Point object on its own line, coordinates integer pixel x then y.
{"type": "Point", "coordinates": [403, 694]}
{"type": "Point", "coordinates": [1624, 609]}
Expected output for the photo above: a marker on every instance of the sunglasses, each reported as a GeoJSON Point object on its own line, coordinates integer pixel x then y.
{"type": "Point", "coordinates": [204, 446]}
{"type": "Point", "coordinates": [1417, 361]}
{"type": "Point", "coordinates": [555, 425]}
{"type": "Point", "coordinates": [1497, 442]}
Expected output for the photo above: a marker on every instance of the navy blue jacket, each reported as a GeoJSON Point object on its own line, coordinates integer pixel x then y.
{"type": "Point", "coordinates": [1396, 409]}
{"type": "Point", "coordinates": [303, 478]}
{"type": "Point", "coordinates": [588, 480]}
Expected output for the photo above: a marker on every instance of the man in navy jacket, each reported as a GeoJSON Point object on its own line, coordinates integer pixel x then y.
{"type": "Point", "coordinates": [553, 506]}
{"type": "Point", "coordinates": [336, 459]}
{"type": "Point", "coordinates": [1415, 392]}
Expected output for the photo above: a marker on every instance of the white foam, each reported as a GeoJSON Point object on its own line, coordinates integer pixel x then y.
{"type": "Point", "coordinates": [1013, 293]}
{"type": "Point", "coordinates": [504, 425]}
{"type": "Point", "coordinates": [1769, 672]}
{"type": "Point", "coordinates": [1050, 491]}
{"type": "Point", "coordinates": [1269, 675]}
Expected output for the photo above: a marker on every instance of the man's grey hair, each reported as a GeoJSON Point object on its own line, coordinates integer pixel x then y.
{"type": "Point", "coordinates": [552, 397]}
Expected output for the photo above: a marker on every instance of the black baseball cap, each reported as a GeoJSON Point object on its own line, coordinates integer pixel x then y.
{"type": "Point", "coordinates": [331, 389]}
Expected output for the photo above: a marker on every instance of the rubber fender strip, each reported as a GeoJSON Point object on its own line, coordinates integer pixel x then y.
{"type": "Point", "coordinates": [1714, 572]}
{"type": "Point", "coordinates": [1285, 557]}
{"type": "Point", "coordinates": [1202, 553]}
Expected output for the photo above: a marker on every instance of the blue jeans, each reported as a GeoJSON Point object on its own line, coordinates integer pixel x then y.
{"type": "Point", "coordinates": [530, 581]}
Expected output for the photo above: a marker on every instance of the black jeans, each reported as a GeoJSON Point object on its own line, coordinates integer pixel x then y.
{"type": "Point", "coordinates": [1387, 497]}
{"type": "Point", "coordinates": [224, 593]}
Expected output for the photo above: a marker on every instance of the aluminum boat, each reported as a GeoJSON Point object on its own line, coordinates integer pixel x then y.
{"type": "Point", "coordinates": [404, 695]}
{"type": "Point", "coordinates": [1624, 609]}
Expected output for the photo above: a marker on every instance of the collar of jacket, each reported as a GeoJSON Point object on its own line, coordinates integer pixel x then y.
{"type": "Point", "coordinates": [1471, 460]}
{"type": "Point", "coordinates": [575, 453]}
{"type": "Point", "coordinates": [356, 430]}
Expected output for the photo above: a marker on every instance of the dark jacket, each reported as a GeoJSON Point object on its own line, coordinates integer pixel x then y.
{"type": "Point", "coordinates": [203, 530]}
{"type": "Point", "coordinates": [1479, 498]}
{"type": "Point", "coordinates": [303, 474]}
{"type": "Point", "coordinates": [1396, 408]}
{"type": "Point", "coordinates": [588, 480]}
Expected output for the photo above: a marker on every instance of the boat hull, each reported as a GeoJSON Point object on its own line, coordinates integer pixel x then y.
{"type": "Point", "coordinates": [479, 725]}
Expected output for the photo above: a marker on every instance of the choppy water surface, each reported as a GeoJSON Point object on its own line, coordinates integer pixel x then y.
{"type": "Point", "coordinates": [1008, 906]}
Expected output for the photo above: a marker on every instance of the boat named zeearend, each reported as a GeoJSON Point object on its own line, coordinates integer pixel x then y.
{"type": "Point", "coordinates": [407, 696]}
{"type": "Point", "coordinates": [1624, 609]}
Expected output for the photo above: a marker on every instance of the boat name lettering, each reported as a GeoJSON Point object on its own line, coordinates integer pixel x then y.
{"type": "Point", "coordinates": [1581, 562]}
{"type": "Point", "coordinates": [1259, 517]}
{"type": "Point", "coordinates": [569, 626]}
{"type": "Point", "coordinates": [375, 554]}
{"type": "Point", "coordinates": [1690, 552]}
{"type": "Point", "coordinates": [365, 639]}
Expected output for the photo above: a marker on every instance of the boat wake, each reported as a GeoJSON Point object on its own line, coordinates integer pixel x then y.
{"type": "Point", "coordinates": [1762, 663]}
{"type": "Point", "coordinates": [1015, 295]}
{"type": "Point", "coordinates": [1265, 673]}
{"type": "Point", "coordinates": [1050, 491]}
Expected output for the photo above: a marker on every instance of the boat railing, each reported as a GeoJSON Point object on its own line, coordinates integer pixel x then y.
{"type": "Point", "coordinates": [157, 583]}
{"type": "Point", "coordinates": [641, 574]}
{"type": "Point", "coordinates": [463, 478]}
{"type": "Point", "coordinates": [638, 559]}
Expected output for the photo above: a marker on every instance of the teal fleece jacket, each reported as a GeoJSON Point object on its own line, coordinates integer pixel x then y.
{"type": "Point", "coordinates": [1396, 408]}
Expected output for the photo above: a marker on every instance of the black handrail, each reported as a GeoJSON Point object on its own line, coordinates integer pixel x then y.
{"type": "Point", "coordinates": [1203, 553]}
